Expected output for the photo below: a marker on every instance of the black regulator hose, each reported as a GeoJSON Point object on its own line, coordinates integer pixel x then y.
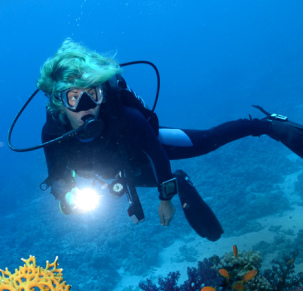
{"type": "Point", "coordinates": [13, 125]}
{"type": "Point", "coordinates": [158, 77]}
{"type": "Point", "coordinates": [77, 131]}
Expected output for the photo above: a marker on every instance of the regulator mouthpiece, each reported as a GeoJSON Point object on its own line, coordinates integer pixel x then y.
{"type": "Point", "coordinates": [92, 127]}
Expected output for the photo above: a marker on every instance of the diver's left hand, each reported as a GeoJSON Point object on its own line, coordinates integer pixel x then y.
{"type": "Point", "coordinates": [166, 212]}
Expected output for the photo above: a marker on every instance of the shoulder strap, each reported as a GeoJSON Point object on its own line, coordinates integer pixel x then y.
{"type": "Point", "coordinates": [129, 98]}
{"type": "Point", "coordinates": [118, 83]}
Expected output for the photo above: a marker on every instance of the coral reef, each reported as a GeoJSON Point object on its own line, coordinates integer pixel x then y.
{"type": "Point", "coordinates": [282, 275]}
{"type": "Point", "coordinates": [31, 276]}
{"type": "Point", "coordinates": [204, 274]}
{"type": "Point", "coordinates": [238, 266]}
{"type": "Point", "coordinates": [259, 283]}
{"type": "Point", "coordinates": [283, 242]}
{"type": "Point", "coordinates": [238, 271]}
{"type": "Point", "coordinates": [168, 283]}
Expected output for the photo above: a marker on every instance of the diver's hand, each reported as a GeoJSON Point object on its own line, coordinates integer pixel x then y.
{"type": "Point", "coordinates": [59, 188]}
{"type": "Point", "coordinates": [166, 212]}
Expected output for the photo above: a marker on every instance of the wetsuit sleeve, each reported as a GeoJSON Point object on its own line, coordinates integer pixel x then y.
{"type": "Point", "coordinates": [56, 160]}
{"type": "Point", "coordinates": [54, 154]}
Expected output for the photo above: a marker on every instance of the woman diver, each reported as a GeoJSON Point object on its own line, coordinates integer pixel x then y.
{"type": "Point", "coordinates": [110, 134]}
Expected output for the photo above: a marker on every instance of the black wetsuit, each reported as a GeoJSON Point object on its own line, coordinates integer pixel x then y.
{"type": "Point", "coordinates": [128, 137]}
{"type": "Point", "coordinates": [132, 141]}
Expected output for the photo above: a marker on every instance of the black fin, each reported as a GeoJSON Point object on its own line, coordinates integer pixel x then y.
{"type": "Point", "coordinates": [197, 212]}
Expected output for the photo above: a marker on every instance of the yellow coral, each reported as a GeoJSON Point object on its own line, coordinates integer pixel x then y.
{"type": "Point", "coordinates": [30, 276]}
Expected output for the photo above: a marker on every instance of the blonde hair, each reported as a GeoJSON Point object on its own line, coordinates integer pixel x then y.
{"type": "Point", "coordinates": [73, 66]}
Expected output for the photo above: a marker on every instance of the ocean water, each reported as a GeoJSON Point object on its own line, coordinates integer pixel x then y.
{"type": "Point", "coordinates": [216, 59]}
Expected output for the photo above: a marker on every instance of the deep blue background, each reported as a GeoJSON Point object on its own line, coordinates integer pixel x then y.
{"type": "Point", "coordinates": [216, 58]}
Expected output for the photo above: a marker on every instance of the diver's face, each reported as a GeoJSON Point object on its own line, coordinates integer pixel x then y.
{"type": "Point", "coordinates": [75, 118]}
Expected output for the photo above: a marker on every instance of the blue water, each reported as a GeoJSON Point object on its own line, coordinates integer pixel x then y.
{"type": "Point", "coordinates": [216, 59]}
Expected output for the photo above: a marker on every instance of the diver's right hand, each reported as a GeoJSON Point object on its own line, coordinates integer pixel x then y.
{"type": "Point", "coordinates": [166, 212]}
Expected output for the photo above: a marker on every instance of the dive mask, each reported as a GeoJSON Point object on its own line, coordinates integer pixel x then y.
{"type": "Point", "coordinates": [77, 101]}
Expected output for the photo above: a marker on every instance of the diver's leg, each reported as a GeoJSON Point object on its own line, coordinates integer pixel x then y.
{"type": "Point", "coordinates": [187, 143]}
{"type": "Point", "coordinates": [197, 212]}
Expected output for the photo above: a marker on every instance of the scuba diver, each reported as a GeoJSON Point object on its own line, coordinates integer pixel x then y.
{"type": "Point", "coordinates": [98, 128]}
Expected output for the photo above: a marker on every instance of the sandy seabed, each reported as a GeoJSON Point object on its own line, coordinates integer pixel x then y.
{"type": "Point", "coordinates": [288, 220]}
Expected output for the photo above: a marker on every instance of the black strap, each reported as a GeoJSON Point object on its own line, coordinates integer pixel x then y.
{"type": "Point", "coordinates": [120, 93]}
{"type": "Point", "coordinates": [262, 110]}
{"type": "Point", "coordinates": [279, 117]}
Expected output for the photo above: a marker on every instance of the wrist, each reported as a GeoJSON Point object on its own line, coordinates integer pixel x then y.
{"type": "Point", "coordinates": [168, 189]}
{"type": "Point", "coordinates": [165, 202]}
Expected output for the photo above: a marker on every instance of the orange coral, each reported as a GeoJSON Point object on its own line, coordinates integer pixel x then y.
{"type": "Point", "coordinates": [30, 276]}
